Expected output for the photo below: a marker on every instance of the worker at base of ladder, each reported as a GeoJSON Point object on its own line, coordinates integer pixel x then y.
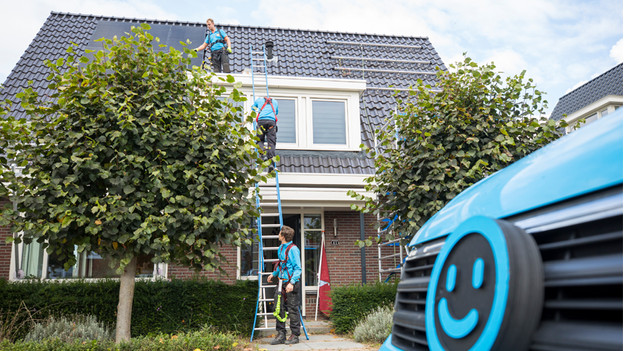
{"type": "Point", "coordinates": [288, 271]}
{"type": "Point", "coordinates": [267, 110]}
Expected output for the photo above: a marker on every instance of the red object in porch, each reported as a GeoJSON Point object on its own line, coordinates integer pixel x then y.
{"type": "Point", "coordinates": [325, 303]}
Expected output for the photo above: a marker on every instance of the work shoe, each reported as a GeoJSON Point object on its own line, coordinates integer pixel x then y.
{"type": "Point", "coordinates": [293, 339]}
{"type": "Point", "coordinates": [279, 339]}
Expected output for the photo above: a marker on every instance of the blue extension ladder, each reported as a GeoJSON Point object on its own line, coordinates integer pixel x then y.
{"type": "Point", "coordinates": [270, 210]}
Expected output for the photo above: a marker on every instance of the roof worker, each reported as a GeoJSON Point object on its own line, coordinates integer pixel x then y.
{"type": "Point", "coordinates": [267, 110]}
{"type": "Point", "coordinates": [216, 41]}
{"type": "Point", "coordinates": [288, 270]}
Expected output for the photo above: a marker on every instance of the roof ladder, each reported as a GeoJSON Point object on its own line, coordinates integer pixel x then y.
{"type": "Point", "coordinates": [269, 222]}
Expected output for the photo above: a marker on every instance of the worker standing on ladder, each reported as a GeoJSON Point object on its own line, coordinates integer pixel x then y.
{"type": "Point", "coordinates": [267, 110]}
{"type": "Point", "coordinates": [217, 39]}
{"type": "Point", "coordinates": [288, 270]}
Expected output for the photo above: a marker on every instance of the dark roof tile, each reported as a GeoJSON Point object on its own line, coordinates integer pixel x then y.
{"type": "Point", "coordinates": [303, 53]}
{"type": "Point", "coordinates": [608, 83]}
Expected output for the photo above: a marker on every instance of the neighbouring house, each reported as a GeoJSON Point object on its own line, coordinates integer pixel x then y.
{"type": "Point", "coordinates": [592, 100]}
{"type": "Point", "coordinates": [333, 90]}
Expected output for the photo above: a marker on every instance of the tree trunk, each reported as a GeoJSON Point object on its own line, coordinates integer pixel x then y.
{"type": "Point", "coordinates": [124, 308]}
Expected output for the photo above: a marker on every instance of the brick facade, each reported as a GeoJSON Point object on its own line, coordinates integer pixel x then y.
{"type": "Point", "coordinates": [5, 248]}
{"type": "Point", "coordinates": [343, 256]}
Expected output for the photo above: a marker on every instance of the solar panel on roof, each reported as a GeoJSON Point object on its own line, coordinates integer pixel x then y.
{"type": "Point", "coordinates": [170, 35]}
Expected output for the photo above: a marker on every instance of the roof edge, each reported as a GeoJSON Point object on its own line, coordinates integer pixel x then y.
{"type": "Point", "coordinates": [131, 19]}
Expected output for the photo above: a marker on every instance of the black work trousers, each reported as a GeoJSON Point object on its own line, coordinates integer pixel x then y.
{"type": "Point", "coordinates": [290, 303]}
{"type": "Point", "coordinates": [220, 58]}
{"type": "Point", "coordinates": [267, 131]}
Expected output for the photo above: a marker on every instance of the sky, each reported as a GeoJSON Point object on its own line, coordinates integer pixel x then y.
{"type": "Point", "coordinates": [560, 43]}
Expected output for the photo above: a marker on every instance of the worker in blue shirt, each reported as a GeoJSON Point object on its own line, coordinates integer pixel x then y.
{"type": "Point", "coordinates": [267, 110]}
{"type": "Point", "coordinates": [217, 40]}
{"type": "Point", "coordinates": [288, 269]}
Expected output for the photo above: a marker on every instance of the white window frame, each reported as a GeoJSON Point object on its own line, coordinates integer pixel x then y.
{"type": "Point", "coordinates": [608, 103]}
{"type": "Point", "coordinates": [305, 90]}
{"type": "Point", "coordinates": [160, 267]}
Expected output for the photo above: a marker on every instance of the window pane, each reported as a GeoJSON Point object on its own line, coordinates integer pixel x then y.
{"type": "Point", "coordinates": [32, 259]}
{"type": "Point", "coordinates": [286, 123]}
{"type": "Point", "coordinates": [329, 122]}
{"type": "Point", "coordinates": [56, 270]}
{"type": "Point", "coordinates": [249, 255]}
{"type": "Point", "coordinates": [312, 256]}
{"type": "Point", "coordinates": [92, 265]}
{"type": "Point", "coordinates": [312, 222]}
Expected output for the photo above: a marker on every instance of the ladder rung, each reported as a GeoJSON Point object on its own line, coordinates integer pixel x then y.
{"type": "Point", "coordinates": [270, 248]}
{"type": "Point", "coordinates": [269, 286]}
{"type": "Point", "coordinates": [271, 260]}
{"type": "Point", "coordinates": [266, 300]}
{"type": "Point", "coordinates": [265, 313]}
{"type": "Point", "coordinates": [265, 328]}
{"type": "Point", "coordinates": [390, 270]}
{"type": "Point", "coordinates": [270, 237]}
{"type": "Point", "coordinates": [268, 204]}
{"type": "Point", "coordinates": [272, 214]}
{"type": "Point", "coordinates": [389, 256]}
{"type": "Point", "coordinates": [272, 225]}
{"type": "Point", "coordinates": [266, 273]}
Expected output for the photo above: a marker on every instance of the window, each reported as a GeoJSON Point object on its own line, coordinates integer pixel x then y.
{"type": "Point", "coordinates": [312, 234]}
{"type": "Point", "coordinates": [248, 267]}
{"type": "Point", "coordinates": [329, 125]}
{"type": "Point", "coordinates": [287, 123]}
{"type": "Point", "coordinates": [35, 263]}
{"type": "Point", "coordinates": [317, 122]}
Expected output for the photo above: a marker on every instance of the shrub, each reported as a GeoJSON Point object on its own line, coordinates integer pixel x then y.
{"type": "Point", "coordinates": [376, 326]}
{"type": "Point", "coordinates": [159, 306]}
{"type": "Point", "coordinates": [352, 303]}
{"type": "Point", "coordinates": [80, 328]}
{"type": "Point", "coordinates": [205, 339]}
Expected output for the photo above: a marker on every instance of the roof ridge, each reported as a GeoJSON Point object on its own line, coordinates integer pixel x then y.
{"type": "Point", "coordinates": [231, 25]}
{"type": "Point", "coordinates": [592, 80]}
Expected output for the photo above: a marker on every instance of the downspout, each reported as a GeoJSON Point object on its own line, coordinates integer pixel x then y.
{"type": "Point", "coordinates": [363, 249]}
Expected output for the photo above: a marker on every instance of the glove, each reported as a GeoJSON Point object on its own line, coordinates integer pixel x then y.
{"type": "Point", "coordinates": [229, 50]}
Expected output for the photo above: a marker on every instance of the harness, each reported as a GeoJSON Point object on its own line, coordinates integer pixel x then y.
{"type": "Point", "coordinates": [282, 263]}
{"type": "Point", "coordinates": [270, 102]}
{"type": "Point", "coordinates": [222, 40]}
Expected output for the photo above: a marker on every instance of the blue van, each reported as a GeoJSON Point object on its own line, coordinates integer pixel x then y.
{"type": "Point", "coordinates": [529, 258]}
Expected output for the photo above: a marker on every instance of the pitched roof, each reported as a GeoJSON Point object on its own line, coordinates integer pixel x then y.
{"type": "Point", "coordinates": [608, 83]}
{"type": "Point", "coordinates": [301, 53]}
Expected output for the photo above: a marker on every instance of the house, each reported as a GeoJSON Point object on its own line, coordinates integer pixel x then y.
{"type": "Point", "coordinates": [333, 90]}
{"type": "Point", "coordinates": [592, 100]}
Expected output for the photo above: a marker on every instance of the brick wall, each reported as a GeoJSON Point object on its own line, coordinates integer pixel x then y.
{"type": "Point", "coordinates": [179, 272]}
{"type": "Point", "coordinates": [5, 248]}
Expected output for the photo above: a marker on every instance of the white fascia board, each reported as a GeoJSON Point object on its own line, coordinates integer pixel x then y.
{"type": "Point", "coordinates": [594, 107]}
{"type": "Point", "coordinates": [319, 197]}
{"type": "Point", "coordinates": [322, 179]}
{"type": "Point", "coordinates": [299, 83]}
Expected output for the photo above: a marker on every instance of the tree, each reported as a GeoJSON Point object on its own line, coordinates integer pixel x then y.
{"type": "Point", "coordinates": [445, 140]}
{"type": "Point", "coordinates": [134, 156]}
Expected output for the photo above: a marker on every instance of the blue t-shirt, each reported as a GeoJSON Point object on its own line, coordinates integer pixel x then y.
{"type": "Point", "coordinates": [213, 37]}
{"type": "Point", "coordinates": [293, 263]}
{"type": "Point", "coordinates": [267, 111]}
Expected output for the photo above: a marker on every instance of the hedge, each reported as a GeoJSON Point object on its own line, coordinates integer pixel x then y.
{"type": "Point", "coordinates": [353, 303]}
{"type": "Point", "coordinates": [202, 340]}
{"type": "Point", "coordinates": [159, 306]}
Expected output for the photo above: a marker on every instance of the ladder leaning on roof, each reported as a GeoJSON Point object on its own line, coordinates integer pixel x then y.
{"type": "Point", "coordinates": [270, 211]}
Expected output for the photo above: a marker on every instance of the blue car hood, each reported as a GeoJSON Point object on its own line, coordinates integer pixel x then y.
{"type": "Point", "coordinates": [584, 161]}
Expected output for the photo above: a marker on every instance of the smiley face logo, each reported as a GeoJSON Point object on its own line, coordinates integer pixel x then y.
{"type": "Point", "coordinates": [467, 298]}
